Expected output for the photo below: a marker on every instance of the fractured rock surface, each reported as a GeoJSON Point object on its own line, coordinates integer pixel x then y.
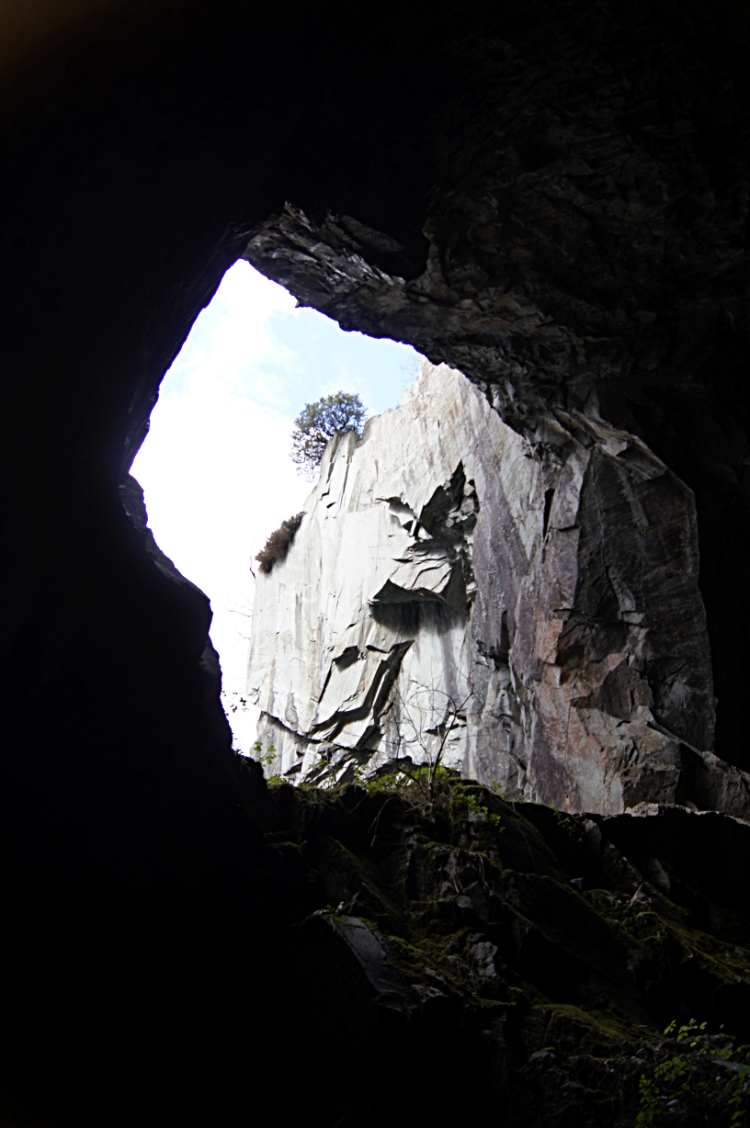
{"type": "Point", "coordinates": [527, 611]}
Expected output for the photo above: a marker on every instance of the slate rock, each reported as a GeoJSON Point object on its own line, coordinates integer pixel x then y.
{"type": "Point", "coordinates": [526, 612]}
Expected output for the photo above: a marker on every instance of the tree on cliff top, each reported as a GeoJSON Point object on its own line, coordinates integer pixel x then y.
{"type": "Point", "coordinates": [316, 425]}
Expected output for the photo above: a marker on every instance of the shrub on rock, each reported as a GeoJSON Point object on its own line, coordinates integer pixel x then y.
{"type": "Point", "coordinates": [277, 545]}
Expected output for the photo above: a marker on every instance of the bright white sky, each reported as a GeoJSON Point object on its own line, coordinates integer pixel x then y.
{"type": "Point", "coordinates": [215, 466]}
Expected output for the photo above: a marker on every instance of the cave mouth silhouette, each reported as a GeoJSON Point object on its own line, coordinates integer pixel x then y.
{"type": "Point", "coordinates": [566, 189]}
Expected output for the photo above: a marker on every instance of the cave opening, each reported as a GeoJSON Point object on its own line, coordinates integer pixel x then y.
{"type": "Point", "coordinates": [553, 200]}
{"type": "Point", "coordinates": [215, 466]}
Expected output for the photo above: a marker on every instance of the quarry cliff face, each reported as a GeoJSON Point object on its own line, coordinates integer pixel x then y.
{"type": "Point", "coordinates": [528, 612]}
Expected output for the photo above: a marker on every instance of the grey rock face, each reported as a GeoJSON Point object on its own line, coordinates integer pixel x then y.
{"type": "Point", "coordinates": [527, 611]}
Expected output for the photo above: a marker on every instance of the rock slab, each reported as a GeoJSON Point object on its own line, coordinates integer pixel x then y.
{"type": "Point", "coordinates": [526, 611]}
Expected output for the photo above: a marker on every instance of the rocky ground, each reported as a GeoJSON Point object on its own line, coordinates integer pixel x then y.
{"type": "Point", "coordinates": [470, 953]}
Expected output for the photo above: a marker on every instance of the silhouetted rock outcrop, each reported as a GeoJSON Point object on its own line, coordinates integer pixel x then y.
{"type": "Point", "coordinates": [504, 955]}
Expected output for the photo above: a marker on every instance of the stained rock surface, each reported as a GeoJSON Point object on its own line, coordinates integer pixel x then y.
{"type": "Point", "coordinates": [527, 612]}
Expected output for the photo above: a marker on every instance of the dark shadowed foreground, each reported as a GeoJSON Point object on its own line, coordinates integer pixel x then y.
{"type": "Point", "coordinates": [464, 952]}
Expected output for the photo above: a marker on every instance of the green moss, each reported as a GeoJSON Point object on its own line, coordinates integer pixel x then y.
{"type": "Point", "coordinates": [616, 1030]}
{"type": "Point", "coordinates": [400, 860]}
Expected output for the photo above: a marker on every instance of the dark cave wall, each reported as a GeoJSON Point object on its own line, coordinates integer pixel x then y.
{"type": "Point", "coordinates": [134, 164]}
{"type": "Point", "coordinates": [140, 153]}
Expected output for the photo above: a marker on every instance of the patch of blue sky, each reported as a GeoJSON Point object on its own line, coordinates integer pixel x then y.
{"type": "Point", "coordinates": [255, 340]}
{"type": "Point", "coordinates": [330, 360]}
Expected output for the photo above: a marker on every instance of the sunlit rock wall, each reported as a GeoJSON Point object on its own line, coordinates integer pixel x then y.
{"type": "Point", "coordinates": [526, 611]}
